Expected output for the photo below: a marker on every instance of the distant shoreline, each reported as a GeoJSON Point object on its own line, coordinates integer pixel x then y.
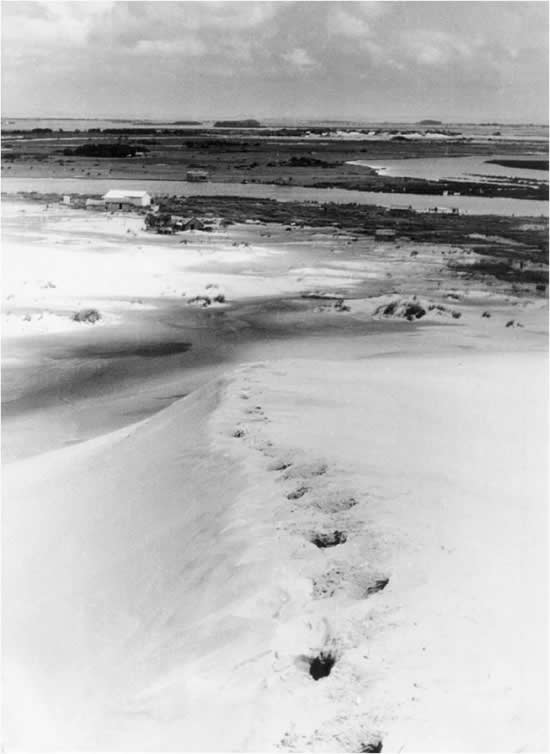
{"type": "Point", "coordinates": [93, 186]}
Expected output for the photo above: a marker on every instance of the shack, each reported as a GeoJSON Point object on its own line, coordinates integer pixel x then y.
{"type": "Point", "coordinates": [193, 223]}
{"type": "Point", "coordinates": [400, 209]}
{"type": "Point", "coordinates": [196, 175]}
{"type": "Point", "coordinates": [124, 199]}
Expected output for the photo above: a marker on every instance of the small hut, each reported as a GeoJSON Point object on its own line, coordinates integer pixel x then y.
{"type": "Point", "coordinates": [193, 223]}
{"type": "Point", "coordinates": [196, 175]}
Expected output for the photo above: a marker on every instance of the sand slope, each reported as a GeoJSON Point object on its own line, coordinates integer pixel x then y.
{"type": "Point", "coordinates": [162, 590]}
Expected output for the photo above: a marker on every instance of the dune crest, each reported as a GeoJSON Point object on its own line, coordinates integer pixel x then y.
{"type": "Point", "coordinates": [186, 599]}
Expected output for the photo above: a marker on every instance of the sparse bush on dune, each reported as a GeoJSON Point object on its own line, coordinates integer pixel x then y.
{"type": "Point", "coordinates": [407, 309]}
{"type": "Point", "coordinates": [201, 300]}
{"type": "Point", "coordinates": [205, 301]}
{"type": "Point", "coordinates": [413, 309]}
{"type": "Point", "coordinates": [90, 316]}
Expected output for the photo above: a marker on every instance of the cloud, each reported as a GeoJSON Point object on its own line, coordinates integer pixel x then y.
{"type": "Point", "coordinates": [128, 57]}
{"type": "Point", "coordinates": [190, 46]}
{"type": "Point", "coordinates": [128, 25]}
{"type": "Point", "coordinates": [340, 21]}
{"type": "Point", "coordinates": [299, 58]}
{"type": "Point", "coordinates": [355, 19]}
{"type": "Point", "coordinates": [433, 48]}
{"type": "Point", "coordinates": [38, 26]}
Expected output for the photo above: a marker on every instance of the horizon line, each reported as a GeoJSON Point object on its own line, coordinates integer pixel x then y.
{"type": "Point", "coordinates": [319, 119]}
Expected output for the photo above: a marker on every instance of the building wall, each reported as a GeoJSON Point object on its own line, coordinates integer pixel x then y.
{"type": "Point", "coordinates": [129, 201]}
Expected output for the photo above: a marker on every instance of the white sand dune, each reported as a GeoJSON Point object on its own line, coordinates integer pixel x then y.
{"type": "Point", "coordinates": [163, 584]}
{"type": "Point", "coordinates": [162, 591]}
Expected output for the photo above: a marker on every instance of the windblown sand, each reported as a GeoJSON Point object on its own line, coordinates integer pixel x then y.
{"type": "Point", "coordinates": [163, 584]}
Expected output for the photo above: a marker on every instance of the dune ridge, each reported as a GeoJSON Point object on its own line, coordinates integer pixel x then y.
{"type": "Point", "coordinates": [200, 568]}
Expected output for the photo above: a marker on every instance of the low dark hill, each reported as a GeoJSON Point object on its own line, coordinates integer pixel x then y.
{"type": "Point", "coordinates": [237, 124]}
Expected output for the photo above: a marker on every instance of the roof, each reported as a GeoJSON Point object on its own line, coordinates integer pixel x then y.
{"type": "Point", "coordinates": [123, 194]}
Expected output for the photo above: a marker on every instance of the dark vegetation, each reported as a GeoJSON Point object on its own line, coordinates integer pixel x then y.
{"type": "Point", "coordinates": [513, 262]}
{"type": "Point", "coordinates": [305, 162]}
{"type": "Point", "coordinates": [24, 132]}
{"type": "Point", "coordinates": [504, 271]}
{"type": "Point", "coordinates": [118, 149]}
{"type": "Point", "coordinates": [158, 220]}
{"type": "Point", "coordinates": [514, 249]}
{"type": "Point", "coordinates": [511, 188]}
{"type": "Point", "coordinates": [412, 310]}
{"type": "Point", "coordinates": [247, 123]}
{"type": "Point", "coordinates": [205, 301]}
{"type": "Point", "coordinates": [529, 164]}
{"type": "Point", "coordinates": [279, 155]}
{"type": "Point", "coordinates": [493, 232]}
{"type": "Point", "coordinates": [87, 315]}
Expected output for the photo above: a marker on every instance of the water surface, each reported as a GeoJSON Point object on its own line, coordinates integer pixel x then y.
{"type": "Point", "coordinates": [472, 168]}
{"type": "Point", "coordinates": [473, 205]}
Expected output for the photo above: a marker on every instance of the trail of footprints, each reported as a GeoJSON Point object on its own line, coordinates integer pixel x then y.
{"type": "Point", "coordinates": [305, 490]}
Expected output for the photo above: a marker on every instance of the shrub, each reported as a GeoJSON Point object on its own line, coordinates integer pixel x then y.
{"type": "Point", "coordinates": [87, 315]}
{"type": "Point", "coordinates": [105, 150]}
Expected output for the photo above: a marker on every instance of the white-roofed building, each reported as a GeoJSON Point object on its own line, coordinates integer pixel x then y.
{"type": "Point", "coordinates": [121, 198]}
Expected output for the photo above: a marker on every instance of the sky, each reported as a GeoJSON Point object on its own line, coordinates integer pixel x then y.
{"type": "Point", "coordinates": [463, 61]}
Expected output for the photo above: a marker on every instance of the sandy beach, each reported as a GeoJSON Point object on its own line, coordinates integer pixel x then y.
{"type": "Point", "coordinates": [206, 506]}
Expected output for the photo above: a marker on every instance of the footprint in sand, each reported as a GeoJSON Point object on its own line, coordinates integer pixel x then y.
{"type": "Point", "coordinates": [375, 745]}
{"type": "Point", "coordinates": [306, 471]}
{"type": "Point", "coordinates": [279, 464]}
{"type": "Point", "coordinates": [333, 502]}
{"type": "Point", "coordinates": [329, 583]}
{"type": "Point", "coordinates": [256, 413]}
{"type": "Point", "coordinates": [328, 539]}
{"type": "Point", "coordinates": [343, 578]}
{"type": "Point", "coordinates": [254, 410]}
{"type": "Point", "coordinates": [298, 493]}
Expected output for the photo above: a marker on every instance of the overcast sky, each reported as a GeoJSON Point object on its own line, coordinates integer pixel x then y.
{"type": "Point", "coordinates": [469, 61]}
